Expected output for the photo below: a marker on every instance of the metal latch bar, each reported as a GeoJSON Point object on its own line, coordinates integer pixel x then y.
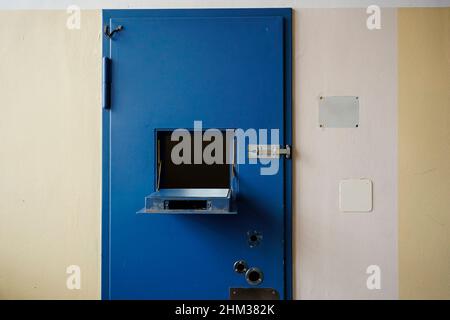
{"type": "Point", "coordinates": [268, 151]}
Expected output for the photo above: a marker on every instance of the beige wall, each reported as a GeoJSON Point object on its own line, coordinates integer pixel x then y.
{"type": "Point", "coordinates": [424, 153]}
{"type": "Point", "coordinates": [50, 157]}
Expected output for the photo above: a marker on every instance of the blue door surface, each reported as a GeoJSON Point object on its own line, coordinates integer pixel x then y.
{"type": "Point", "coordinates": [169, 68]}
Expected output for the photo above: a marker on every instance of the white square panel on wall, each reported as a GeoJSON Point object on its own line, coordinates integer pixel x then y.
{"type": "Point", "coordinates": [355, 195]}
{"type": "Point", "coordinates": [339, 112]}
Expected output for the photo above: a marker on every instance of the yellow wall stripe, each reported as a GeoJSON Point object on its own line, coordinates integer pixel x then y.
{"type": "Point", "coordinates": [424, 153]}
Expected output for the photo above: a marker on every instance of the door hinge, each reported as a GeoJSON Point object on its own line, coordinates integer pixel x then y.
{"type": "Point", "coordinates": [268, 151]}
{"type": "Point", "coordinates": [106, 83]}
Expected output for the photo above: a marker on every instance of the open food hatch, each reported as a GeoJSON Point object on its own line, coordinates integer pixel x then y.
{"type": "Point", "coordinates": [194, 186]}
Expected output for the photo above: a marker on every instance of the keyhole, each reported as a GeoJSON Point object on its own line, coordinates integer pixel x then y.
{"type": "Point", "coordinates": [240, 266]}
{"type": "Point", "coordinates": [254, 276]}
{"type": "Point", "coordinates": [254, 238]}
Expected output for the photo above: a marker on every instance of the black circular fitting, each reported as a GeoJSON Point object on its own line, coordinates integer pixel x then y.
{"type": "Point", "coordinates": [254, 238]}
{"type": "Point", "coordinates": [240, 266]}
{"type": "Point", "coordinates": [254, 276]}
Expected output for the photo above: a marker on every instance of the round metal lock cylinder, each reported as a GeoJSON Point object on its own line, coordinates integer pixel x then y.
{"type": "Point", "coordinates": [240, 266]}
{"type": "Point", "coordinates": [254, 276]}
{"type": "Point", "coordinates": [254, 238]}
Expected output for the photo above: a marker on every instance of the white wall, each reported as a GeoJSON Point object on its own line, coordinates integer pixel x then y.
{"type": "Point", "coordinates": [335, 54]}
{"type": "Point", "coordinates": [145, 4]}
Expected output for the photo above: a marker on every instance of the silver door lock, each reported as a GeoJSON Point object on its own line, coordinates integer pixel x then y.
{"type": "Point", "coordinates": [268, 151]}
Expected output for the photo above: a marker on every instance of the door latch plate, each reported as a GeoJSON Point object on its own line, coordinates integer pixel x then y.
{"type": "Point", "coordinates": [254, 294]}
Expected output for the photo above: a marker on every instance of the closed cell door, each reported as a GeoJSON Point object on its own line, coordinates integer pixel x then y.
{"type": "Point", "coordinates": [177, 224]}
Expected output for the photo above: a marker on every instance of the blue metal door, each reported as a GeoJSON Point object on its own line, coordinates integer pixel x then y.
{"type": "Point", "coordinates": [169, 68]}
